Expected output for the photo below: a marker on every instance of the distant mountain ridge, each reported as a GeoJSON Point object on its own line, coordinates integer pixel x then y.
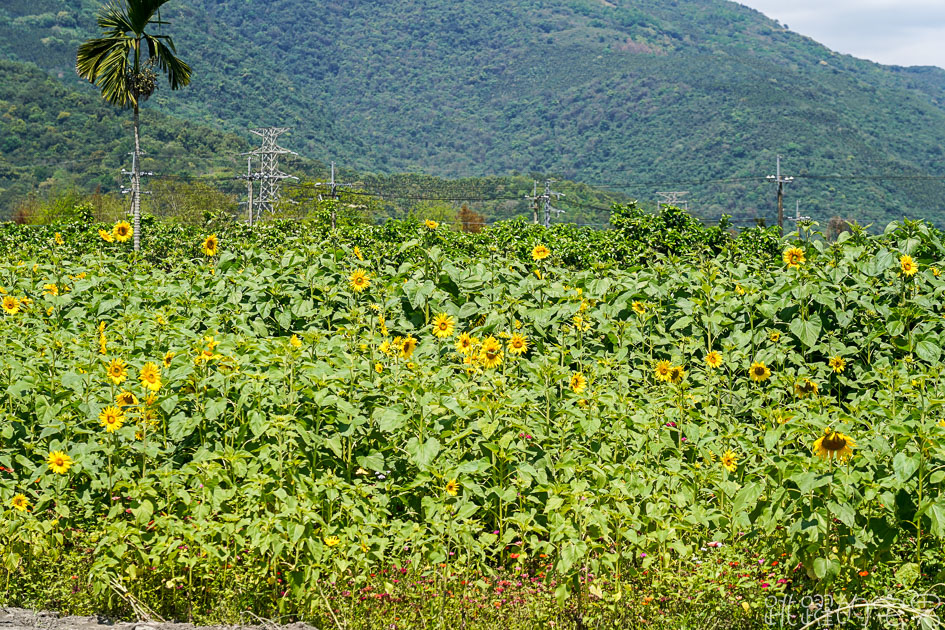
{"type": "Point", "coordinates": [697, 95]}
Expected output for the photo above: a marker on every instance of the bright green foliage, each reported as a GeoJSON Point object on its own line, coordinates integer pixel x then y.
{"type": "Point", "coordinates": [263, 464]}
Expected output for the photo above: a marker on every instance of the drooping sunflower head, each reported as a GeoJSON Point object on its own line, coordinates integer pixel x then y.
{"type": "Point", "coordinates": [126, 399]}
{"type": "Point", "coordinates": [359, 280]}
{"type": "Point", "coordinates": [443, 326]}
{"type": "Point", "coordinates": [639, 308]}
{"type": "Point", "coordinates": [677, 374]}
{"type": "Point", "coordinates": [50, 289]}
{"type": "Point", "coordinates": [490, 355]}
{"type": "Point", "coordinates": [122, 231]}
{"type": "Point", "coordinates": [759, 372]}
{"type": "Point", "coordinates": [407, 346]}
{"type": "Point", "coordinates": [117, 371]}
{"type": "Point", "coordinates": [11, 305]}
{"type": "Point", "coordinates": [578, 383]}
{"type": "Point", "coordinates": [464, 344]}
{"type": "Point", "coordinates": [838, 364]}
{"type": "Point", "coordinates": [106, 236]}
{"type": "Point", "coordinates": [805, 388]}
{"type": "Point", "coordinates": [59, 462]}
{"type": "Point", "coordinates": [518, 344]}
{"type": "Point", "coordinates": [452, 487]}
{"type": "Point", "coordinates": [431, 224]}
{"type": "Point", "coordinates": [540, 252]}
{"type": "Point", "coordinates": [714, 359]}
{"type": "Point", "coordinates": [111, 419]}
{"type": "Point", "coordinates": [834, 445]}
{"type": "Point", "coordinates": [794, 257]}
{"type": "Point", "coordinates": [20, 503]}
{"type": "Point", "coordinates": [210, 245]}
{"type": "Point", "coordinates": [357, 253]}
{"type": "Point", "coordinates": [909, 268]}
{"type": "Point", "coordinates": [151, 376]}
{"type": "Point", "coordinates": [58, 238]}
{"type": "Point", "coordinates": [729, 461]}
{"type": "Point", "coordinates": [662, 370]}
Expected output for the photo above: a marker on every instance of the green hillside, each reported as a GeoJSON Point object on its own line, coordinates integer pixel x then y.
{"type": "Point", "coordinates": [639, 96]}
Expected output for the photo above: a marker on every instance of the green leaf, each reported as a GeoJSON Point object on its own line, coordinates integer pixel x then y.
{"type": "Point", "coordinates": [807, 331]}
{"type": "Point", "coordinates": [423, 455]}
{"type": "Point", "coordinates": [928, 351]}
{"type": "Point", "coordinates": [905, 466]}
{"type": "Point", "coordinates": [390, 420]}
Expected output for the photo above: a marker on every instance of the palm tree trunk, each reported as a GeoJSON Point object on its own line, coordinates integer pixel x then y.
{"type": "Point", "coordinates": [136, 186]}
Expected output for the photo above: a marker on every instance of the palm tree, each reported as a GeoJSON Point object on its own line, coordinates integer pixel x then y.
{"type": "Point", "coordinates": [114, 63]}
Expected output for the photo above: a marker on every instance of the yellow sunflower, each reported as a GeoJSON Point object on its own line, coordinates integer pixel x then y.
{"type": "Point", "coordinates": [443, 326]}
{"type": "Point", "coordinates": [452, 487]}
{"type": "Point", "coordinates": [58, 238]}
{"type": "Point", "coordinates": [20, 503]}
{"type": "Point", "coordinates": [59, 462]}
{"type": "Point", "coordinates": [295, 342]}
{"type": "Point", "coordinates": [837, 364]}
{"type": "Point", "coordinates": [833, 444]}
{"type": "Point", "coordinates": [111, 418]}
{"type": "Point", "coordinates": [122, 231]}
{"type": "Point", "coordinates": [331, 541]}
{"type": "Point", "coordinates": [357, 253]}
{"type": "Point", "coordinates": [793, 257]}
{"type": "Point", "coordinates": [465, 343]}
{"type": "Point", "coordinates": [379, 368]}
{"type": "Point", "coordinates": [168, 357]}
{"type": "Point", "coordinates": [518, 344]}
{"type": "Point", "coordinates": [430, 224]}
{"type": "Point", "coordinates": [540, 252]}
{"type": "Point", "coordinates": [662, 371]}
{"type": "Point", "coordinates": [117, 371]}
{"type": "Point", "coordinates": [759, 372]}
{"type": "Point", "coordinates": [210, 245]}
{"type": "Point", "coordinates": [490, 355]}
{"type": "Point", "coordinates": [106, 236]}
{"type": "Point", "coordinates": [151, 376]}
{"type": "Point", "coordinates": [126, 399]}
{"type": "Point", "coordinates": [677, 374]}
{"type": "Point", "coordinates": [935, 271]}
{"type": "Point", "coordinates": [714, 359]}
{"type": "Point", "coordinates": [639, 308]}
{"type": "Point", "coordinates": [407, 346]}
{"type": "Point", "coordinates": [50, 289]}
{"type": "Point", "coordinates": [11, 305]}
{"type": "Point", "coordinates": [578, 383]}
{"type": "Point", "coordinates": [359, 280]}
{"type": "Point", "coordinates": [909, 268]}
{"type": "Point", "coordinates": [774, 336]}
{"type": "Point", "coordinates": [729, 461]}
{"type": "Point", "coordinates": [805, 388]}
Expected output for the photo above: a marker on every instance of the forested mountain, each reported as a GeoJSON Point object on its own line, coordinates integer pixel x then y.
{"type": "Point", "coordinates": [641, 95]}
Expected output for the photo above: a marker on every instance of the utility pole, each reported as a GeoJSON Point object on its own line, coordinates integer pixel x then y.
{"type": "Point", "coordinates": [673, 198]}
{"type": "Point", "coordinates": [135, 174]}
{"type": "Point", "coordinates": [269, 176]}
{"type": "Point", "coordinates": [797, 216]}
{"type": "Point", "coordinates": [543, 201]}
{"type": "Point", "coordinates": [781, 181]}
{"type": "Point", "coordinates": [333, 191]}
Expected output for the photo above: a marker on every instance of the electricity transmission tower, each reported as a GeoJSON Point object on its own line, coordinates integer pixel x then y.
{"type": "Point", "coordinates": [673, 198]}
{"type": "Point", "coordinates": [543, 201]}
{"type": "Point", "coordinates": [781, 181]}
{"type": "Point", "coordinates": [269, 176]}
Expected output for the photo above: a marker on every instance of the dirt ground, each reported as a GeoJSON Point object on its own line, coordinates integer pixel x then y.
{"type": "Point", "coordinates": [20, 619]}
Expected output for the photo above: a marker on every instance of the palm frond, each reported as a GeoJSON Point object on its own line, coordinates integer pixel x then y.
{"type": "Point", "coordinates": [113, 19]}
{"type": "Point", "coordinates": [178, 72]}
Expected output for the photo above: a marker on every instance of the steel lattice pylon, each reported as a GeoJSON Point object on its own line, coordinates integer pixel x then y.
{"type": "Point", "coordinates": [269, 176]}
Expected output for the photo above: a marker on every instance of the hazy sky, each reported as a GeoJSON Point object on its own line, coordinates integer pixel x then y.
{"type": "Point", "coordinates": [900, 32]}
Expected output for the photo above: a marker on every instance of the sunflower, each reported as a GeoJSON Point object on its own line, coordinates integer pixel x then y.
{"type": "Point", "coordinates": [793, 257]}
{"type": "Point", "coordinates": [490, 355]}
{"type": "Point", "coordinates": [11, 305]}
{"type": "Point", "coordinates": [909, 268]}
{"type": "Point", "coordinates": [774, 336]}
{"type": "Point", "coordinates": [20, 503]}
{"type": "Point", "coordinates": [540, 252]}
{"type": "Point", "coordinates": [443, 326]}
{"type": "Point", "coordinates": [357, 253]}
{"type": "Point", "coordinates": [759, 372]}
{"type": "Point", "coordinates": [126, 399]}
{"type": "Point", "coordinates": [168, 357]}
{"type": "Point", "coordinates": [210, 245]}
{"type": "Point", "coordinates": [729, 462]}
{"type": "Point", "coordinates": [295, 342]}
{"type": "Point", "coordinates": [379, 368]}
{"type": "Point", "coordinates": [935, 271]}
{"type": "Point", "coordinates": [713, 359]}
{"type": "Point", "coordinates": [578, 383]}
{"type": "Point", "coordinates": [122, 231]}
{"type": "Point", "coordinates": [59, 462]}
{"type": "Point", "coordinates": [452, 487]}
{"type": "Point", "coordinates": [151, 376]}
{"type": "Point", "coordinates": [106, 236]}
{"type": "Point", "coordinates": [805, 388]}
{"type": "Point", "coordinates": [518, 344]}
{"type": "Point", "coordinates": [359, 280]}
{"type": "Point", "coordinates": [837, 363]}
{"type": "Point", "coordinates": [407, 346]}
{"type": "Point", "coordinates": [111, 418]}
{"type": "Point", "coordinates": [465, 343]}
{"type": "Point", "coordinates": [117, 371]}
{"type": "Point", "coordinates": [833, 444]}
{"type": "Point", "coordinates": [58, 238]}
{"type": "Point", "coordinates": [639, 308]}
{"type": "Point", "coordinates": [431, 224]}
{"type": "Point", "coordinates": [662, 371]}
{"type": "Point", "coordinates": [50, 289]}
{"type": "Point", "coordinates": [739, 289]}
{"type": "Point", "coordinates": [331, 541]}
{"type": "Point", "coordinates": [677, 374]}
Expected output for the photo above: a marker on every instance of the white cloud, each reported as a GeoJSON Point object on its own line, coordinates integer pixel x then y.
{"type": "Point", "coordinates": [900, 32]}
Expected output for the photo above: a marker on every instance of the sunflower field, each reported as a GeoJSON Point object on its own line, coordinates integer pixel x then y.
{"type": "Point", "coordinates": [331, 431]}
